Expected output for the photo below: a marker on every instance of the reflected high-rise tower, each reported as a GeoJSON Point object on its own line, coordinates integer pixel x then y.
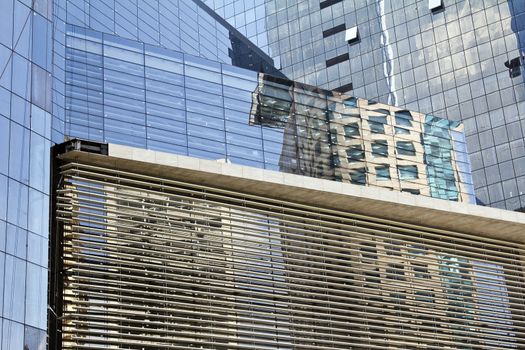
{"type": "Point", "coordinates": [462, 61]}
{"type": "Point", "coordinates": [269, 95]}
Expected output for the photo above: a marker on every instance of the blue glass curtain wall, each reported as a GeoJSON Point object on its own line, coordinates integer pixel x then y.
{"type": "Point", "coordinates": [25, 125]}
{"type": "Point", "coordinates": [127, 92]}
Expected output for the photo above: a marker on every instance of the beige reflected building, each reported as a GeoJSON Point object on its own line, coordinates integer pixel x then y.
{"type": "Point", "coordinates": [329, 135]}
{"type": "Point", "coordinates": [158, 251]}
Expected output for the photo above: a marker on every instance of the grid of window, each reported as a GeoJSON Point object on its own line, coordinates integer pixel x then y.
{"type": "Point", "coordinates": [185, 26]}
{"type": "Point", "coordinates": [25, 126]}
{"type": "Point", "coordinates": [455, 64]}
{"type": "Point", "coordinates": [127, 92]}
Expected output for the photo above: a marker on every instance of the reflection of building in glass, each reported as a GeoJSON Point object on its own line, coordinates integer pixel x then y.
{"type": "Point", "coordinates": [171, 75]}
{"type": "Point", "coordinates": [152, 260]}
{"type": "Point", "coordinates": [456, 60]}
{"type": "Point", "coordinates": [170, 101]}
{"type": "Point", "coordinates": [332, 136]}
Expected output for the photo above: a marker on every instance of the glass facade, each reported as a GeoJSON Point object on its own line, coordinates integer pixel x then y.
{"type": "Point", "coordinates": [127, 92]}
{"type": "Point", "coordinates": [25, 139]}
{"type": "Point", "coordinates": [173, 75]}
{"type": "Point", "coordinates": [461, 62]}
{"type": "Point", "coordinates": [154, 260]}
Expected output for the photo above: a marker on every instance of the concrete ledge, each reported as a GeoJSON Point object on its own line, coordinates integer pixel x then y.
{"type": "Point", "coordinates": [372, 201]}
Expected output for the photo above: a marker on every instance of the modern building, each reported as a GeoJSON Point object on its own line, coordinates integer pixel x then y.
{"type": "Point", "coordinates": [461, 60]}
{"type": "Point", "coordinates": [156, 250]}
{"type": "Point", "coordinates": [171, 101]}
{"type": "Point", "coordinates": [173, 76]}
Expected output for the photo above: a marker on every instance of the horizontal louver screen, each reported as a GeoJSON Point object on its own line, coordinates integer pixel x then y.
{"type": "Point", "coordinates": [152, 264]}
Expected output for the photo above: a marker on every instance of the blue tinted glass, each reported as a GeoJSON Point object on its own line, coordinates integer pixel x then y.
{"type": "Point", "coordinates": [408, 172]}
{"type": "Point", "coordinates": [163, 59]}
{"type": "Point", "coordinates": [124, 55]}
{"type": "Point", "coordinates": [16, 240]}
{"type": "Point", "coordinates": [206, 86]}
{"type": "Point", "coordinates": [12, 334]}
{"type": "Point", "coordinates": [123, 66]}
{"type": "Point", "coordinates": [35, 339]}
{"type": "Point", "coordinates": [172, 78]}
{"type": "Point", "coordinates": [40, 40]}
{"type": "Point", "coordinates": [3, 197]}
{"type": "Point", "coordinates": [123, 78]}
{"type": "Point", "coordinates": [20, 110]}
{"type": "Point", "coordinates": [202, 74]}
{"type": "Point", "coordinates": [21, 85]}
{"type": "Point", "coordinates": [3, 233]}
{"type": "Point", "coordinates": [198, 95]}
{"type": "Point", "coordinates": [167, 136]}
{"type": "Point", "coordinates": [204, 121]}
{"type": "Point", "coordinates": [124, 139]}
{"type": "Point", "coordinates": [36, 298]}
{"type": "Point", "coordinates": [5, 102]}
{"type": "Point", "coordinates": [383, 173]}
{"type": "Point", "coordinates": [17, 205]}
{"type": "Point", "coordinates": [163, 87]}
{"type": "Point", "coordinates": [5, 73]}
{"type": "Point", "coordinates": [4, 145]}
{"type": "Point", "coordinates": [165, 112]}
{"type": "Point", "coordinates": [19, 153]}
{"type": "Point", "coordinates": [22, 29]}
{"type": "Point", "coordinates": [205, 109]}
{"type": "Point", "coordinates": [14, 294]}
{"type": "Point", "coordinates": [167, 147]}
{"type": "Point", "coordinates": [37, 249]}
{"type": "Point", "coordinates": [38, 208]}
{"type": "Point", "coordinates": [243, 152]}
{"type": "Point", "coordinates": [40, 121]}
{"type": "Point", "coordinates": [5, 55]}
{"type": "Point", "coordinates": [239, 83]}
{"type": "Point", "coordinates": [166, 100]}
{"type": "Point", "coordinates": [237, 94]}
{"type": "Point", "coordinates": [6, 23]}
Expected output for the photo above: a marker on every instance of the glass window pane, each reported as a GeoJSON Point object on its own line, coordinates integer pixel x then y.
{"type": "Point", "coordinates": [383, 173]}
{"type": "Point", "coordinates": [14, 290]}
{"type": "Point", "coordinates": [21, 85]}
{"type": "Point", "coordinates": [6, 23]}
{"type": "Point", "coordinates": [40, 121]}
{"type": "Point", "coordinates": [3, 233]}
{"type": "Point", "coordinates": [408, 172]}
{"type": "Point", "coordinates": [16, 239]}
{"type": "Point", "coordinates": [38, 212]}
{"type": "Point", "coordinates": [37, 249]}
{"type": "Point", "coordinates": [3, 197]}
{"type": "Point", "coordinates": [377, 124]}
{"type": "Point", "coordinates": [36, 298]}
{"type": "Point", "coordinates": [17, 208]}
{"type": "Point", "coordinates": [35, 339]}
{"type": "Point", "coordinates": [4, 146]}
{"type": "Point", "coordinates": [380, 148]}
{"type": "Point", "coordinates": [5, 102]}
{"type": "Point", "coordinates": [19, 153]}
{"type": "Point", "coordinates": [40, 40]}
{"type": "Point", "coordinates": [355, 154]}
{"type": "Point", "coordinates": [358, 176]}
{"type": "Point", "coordinates": [20, 110]}
{"type": "Point", "coordinates": [405, 148]}
{"type": "Point", "coordinates": [13, 335]}
{"type": "Point", "coordinates": [39, 165]}
{"type": "Point", "coordinates": [351, 130]}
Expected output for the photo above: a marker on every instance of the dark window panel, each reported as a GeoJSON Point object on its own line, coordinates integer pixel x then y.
{"type": "Point", "coordinates": [334, 30]}
{"type": "Point", "coordinates": [326, 3]}
{"type": "Point", "coordinates": [338, 59]}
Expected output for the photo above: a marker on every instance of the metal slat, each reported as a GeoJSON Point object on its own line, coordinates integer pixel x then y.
{"type": "Point", "coordinates": [156, 263]}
